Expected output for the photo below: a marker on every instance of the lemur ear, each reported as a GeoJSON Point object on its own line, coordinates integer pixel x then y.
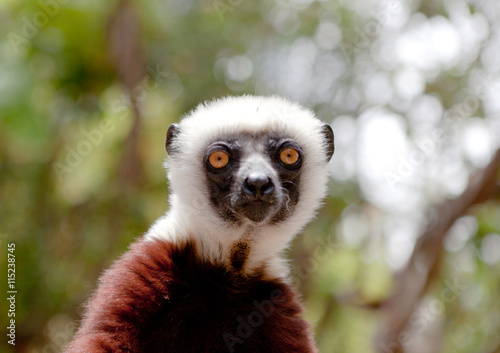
{"type": "Point", "coordinates": [172, 132]}
{"type": "Point", "coordinates": [329, 139]}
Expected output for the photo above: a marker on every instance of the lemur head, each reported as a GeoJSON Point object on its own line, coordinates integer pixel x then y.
{"type": "Point", "coordinates": [247, 167]}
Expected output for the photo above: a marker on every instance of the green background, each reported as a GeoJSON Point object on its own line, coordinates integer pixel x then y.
{"type": "Point", "coordinates": [82, 176]}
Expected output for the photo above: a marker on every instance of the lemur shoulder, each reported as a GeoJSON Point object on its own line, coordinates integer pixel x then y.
{"type": "Point", "coordinates": [246, 175]}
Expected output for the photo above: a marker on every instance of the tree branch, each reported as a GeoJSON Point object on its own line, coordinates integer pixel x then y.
{"type": "Point", "coordinates": [126, 52]}
{"type": "Point", "coordinates": [412, 282]}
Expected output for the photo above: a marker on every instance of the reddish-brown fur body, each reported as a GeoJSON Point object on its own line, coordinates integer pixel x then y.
{"type": "Point", "coordinates": [160, 297]}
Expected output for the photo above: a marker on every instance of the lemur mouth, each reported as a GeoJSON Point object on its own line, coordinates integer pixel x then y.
{"type": "Point", "coordinates": [257, 212]}
{"type": "Point", "coordinates": [256, 209]}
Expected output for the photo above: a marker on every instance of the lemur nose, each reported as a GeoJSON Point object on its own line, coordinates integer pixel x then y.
{"type": "Point", "coordinates": [258, 186]}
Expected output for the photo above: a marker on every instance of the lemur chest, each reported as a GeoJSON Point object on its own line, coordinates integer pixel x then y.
{"type": "Point", "coordinates": [218, 296]}
{"type": "Point", "coordinates": [209, 303]}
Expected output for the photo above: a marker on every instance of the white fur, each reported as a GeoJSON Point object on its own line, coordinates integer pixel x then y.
{"type": "Point", "coordinates": [191, 215]}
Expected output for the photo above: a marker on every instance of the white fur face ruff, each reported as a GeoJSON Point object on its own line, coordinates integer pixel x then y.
{"type": "Point", "coordinates": [191, 216]}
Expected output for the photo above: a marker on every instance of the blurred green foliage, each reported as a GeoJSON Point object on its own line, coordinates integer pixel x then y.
{"type": "Point", "coordinates": [69, 214]}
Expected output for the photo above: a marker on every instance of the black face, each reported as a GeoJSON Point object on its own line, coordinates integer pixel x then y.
{"type": "Point", "coordinates": [254, 177]}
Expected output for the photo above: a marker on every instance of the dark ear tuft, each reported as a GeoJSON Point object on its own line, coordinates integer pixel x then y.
{"type": "Point", "coordinates": [329, 140]}
{"type": "Point", "coordinates": [172, 132]}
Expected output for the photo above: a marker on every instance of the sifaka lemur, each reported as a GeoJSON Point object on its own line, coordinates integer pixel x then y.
{"type": "Point", "coordinates": [246, 175]}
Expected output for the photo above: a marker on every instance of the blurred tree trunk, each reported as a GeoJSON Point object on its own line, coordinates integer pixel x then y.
{"type": "Point", "coordinates": [127, 55]}
{"type": "Point", "coordinates": [412, 282]}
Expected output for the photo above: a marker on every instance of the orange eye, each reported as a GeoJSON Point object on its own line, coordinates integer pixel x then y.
{"type": "Point", "coordinates": [289, 156]}
{"type": "Point", "coordinates": [218, 159]}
